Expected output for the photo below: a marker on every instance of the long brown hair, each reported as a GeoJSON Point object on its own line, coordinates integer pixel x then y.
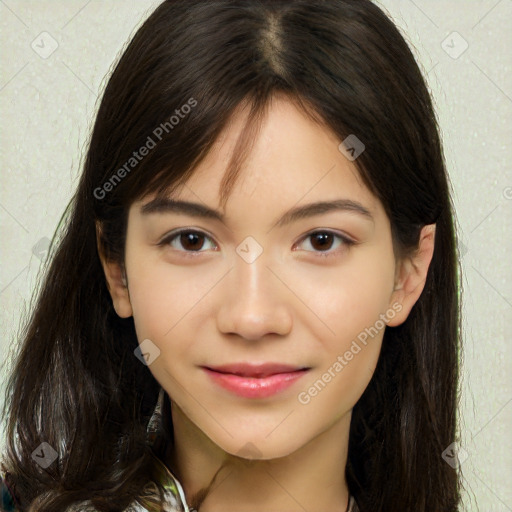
{"type": "Point", "coordinates": [76, 383]}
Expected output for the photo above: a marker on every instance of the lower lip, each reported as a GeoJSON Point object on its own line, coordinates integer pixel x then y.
{"type": "Point", "coordinates": [250, 387]}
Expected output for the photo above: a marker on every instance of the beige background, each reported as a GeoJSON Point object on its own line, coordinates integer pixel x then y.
{"type": "Point", "coordinates": [48, 100]}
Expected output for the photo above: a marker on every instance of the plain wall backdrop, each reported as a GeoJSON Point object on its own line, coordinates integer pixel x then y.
{"type": "Point", "coordinates": [56, 56]}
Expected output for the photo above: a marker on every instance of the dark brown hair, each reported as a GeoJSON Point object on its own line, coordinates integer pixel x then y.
{"type": "Point", "coordinates": [76, 383]}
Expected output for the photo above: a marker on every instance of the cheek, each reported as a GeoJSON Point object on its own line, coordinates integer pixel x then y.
{"type": "Point", "coordinates": [336, 387]}
{"type": "Point", "coordinates": [351, 301]}
{"type": "Point", "coordinates": [168, 308]}
{"type": "Point", "coordinates": [163, 296]}
{"type": "Point", "coordinates": [347, 298]}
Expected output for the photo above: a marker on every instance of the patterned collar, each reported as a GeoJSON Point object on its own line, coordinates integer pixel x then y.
{"type": "Point", "coordinates": [175, 500]}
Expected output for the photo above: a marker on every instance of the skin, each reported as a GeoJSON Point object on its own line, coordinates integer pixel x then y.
{"type": "Point", "coordinates": [289, 305]}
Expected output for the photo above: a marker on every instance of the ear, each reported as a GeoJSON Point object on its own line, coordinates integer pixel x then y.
{"type": "Point", "coordinates": [411, 274]}
{"type": "Point", "coordinates": [116, 280]}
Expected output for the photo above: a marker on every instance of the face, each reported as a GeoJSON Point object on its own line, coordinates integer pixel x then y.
{"type": "Point", "coordinates": [258, 287]}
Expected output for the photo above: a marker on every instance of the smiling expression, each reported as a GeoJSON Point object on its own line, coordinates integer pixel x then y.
{"type": "Point", "coordinates": [268, 280]}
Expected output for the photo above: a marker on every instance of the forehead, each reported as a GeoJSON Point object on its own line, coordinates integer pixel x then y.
{"type": "Point", "coordinates": [291, 160]}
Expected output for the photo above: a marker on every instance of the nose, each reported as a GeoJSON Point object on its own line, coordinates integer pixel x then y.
{"type": "Point", "coordinates": [255, 302]}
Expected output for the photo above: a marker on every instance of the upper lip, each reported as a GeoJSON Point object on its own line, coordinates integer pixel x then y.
{"type": "Point", "coordinates": [256, 370]}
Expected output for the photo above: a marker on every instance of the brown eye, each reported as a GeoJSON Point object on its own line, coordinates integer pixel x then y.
{"type": "Point", "coordinates": [191, 241]}
{"type": "Point", "coordinates": [188, 241]}
{"type": "Point", "coordinates": [326, 243]}
{"type": "Point", "coordinates": [322, 241]}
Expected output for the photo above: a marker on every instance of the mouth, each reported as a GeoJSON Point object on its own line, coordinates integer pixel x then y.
{"type": "Point", "coordinates": [255, 381]}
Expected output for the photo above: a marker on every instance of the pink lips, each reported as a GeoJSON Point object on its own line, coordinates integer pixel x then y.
{"type": "Point", "coordinates": [255, 381]}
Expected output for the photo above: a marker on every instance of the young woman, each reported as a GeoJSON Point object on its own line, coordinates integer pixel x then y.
{"type": "Point", "coordinates": [252, 304]}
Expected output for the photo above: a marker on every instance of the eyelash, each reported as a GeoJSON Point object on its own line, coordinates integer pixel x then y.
{"type": "Point", "coordinates": [347, 242]}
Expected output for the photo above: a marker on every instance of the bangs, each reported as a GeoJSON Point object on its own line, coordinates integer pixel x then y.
{"type": "Point", "coordinates": [254, 108]}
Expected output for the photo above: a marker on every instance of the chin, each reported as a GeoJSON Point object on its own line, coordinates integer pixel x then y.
{"type": "Point", "coordinates": [259, 448]}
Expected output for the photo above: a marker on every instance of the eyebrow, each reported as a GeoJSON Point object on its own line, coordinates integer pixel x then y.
{"type": "Point", "coordinates": [166, 205]}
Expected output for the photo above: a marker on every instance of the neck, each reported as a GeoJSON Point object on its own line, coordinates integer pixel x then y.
{"type": "Point", "coordinates": [311, 478]}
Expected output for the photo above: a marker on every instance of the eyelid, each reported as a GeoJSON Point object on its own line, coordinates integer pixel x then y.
{"type": "Point", "coordinates": [168, 237]}
{"type": "Point", "coordinates": [346, 240]}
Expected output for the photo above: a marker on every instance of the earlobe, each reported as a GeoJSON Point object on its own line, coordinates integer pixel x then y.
{"type": "Point", "coordinates": [411, 275]}
{"type": "Point", "coordinates": [116, 281]}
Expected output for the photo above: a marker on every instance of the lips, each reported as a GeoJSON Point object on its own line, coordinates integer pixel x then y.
{"type": "Point", "coordinates": [255, 371]}
{"type": "Point", "coordinates": [255, 381]}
